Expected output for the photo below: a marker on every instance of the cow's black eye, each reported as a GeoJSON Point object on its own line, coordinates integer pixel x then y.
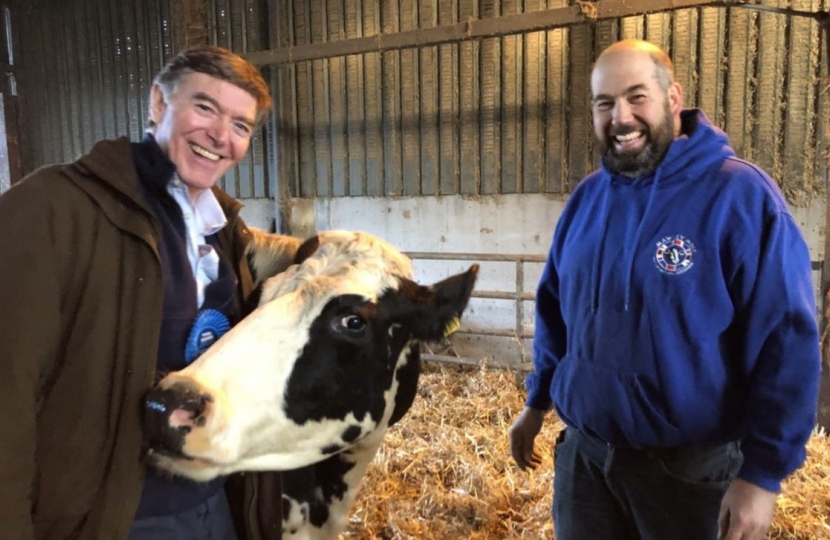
{"type": "Point", "coordinates": [353, 323]}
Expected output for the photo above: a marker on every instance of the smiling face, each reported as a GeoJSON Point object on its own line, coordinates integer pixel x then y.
{"type": "Point", "coordinates": [636, 116]}
{"type": "Point", "coordinates": [204, 125]}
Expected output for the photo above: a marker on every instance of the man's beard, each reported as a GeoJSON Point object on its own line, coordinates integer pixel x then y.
{"type": "Point", "coordinates": [641, 162]}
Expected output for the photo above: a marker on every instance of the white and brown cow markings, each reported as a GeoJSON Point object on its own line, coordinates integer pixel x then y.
{"type": "Point", "coordinates": [310, 381]}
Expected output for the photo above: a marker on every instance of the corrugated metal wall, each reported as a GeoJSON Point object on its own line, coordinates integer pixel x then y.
{"type": "Point", "coordinates": [502, 115]}
{"type": "Point", "coordinates": [512, 114]}
{"type": "Point", "coordinates": [86, 67]}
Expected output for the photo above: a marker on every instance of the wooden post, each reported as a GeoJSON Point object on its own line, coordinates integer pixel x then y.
{"type": "Point", "coordinates": [11, 105]}
{"type": "Point", "coordinates": [189, 22]}
{"type": "Point", "coordinates": [824, 382]}
{"type": "Point", "coordinates": [5, 177]}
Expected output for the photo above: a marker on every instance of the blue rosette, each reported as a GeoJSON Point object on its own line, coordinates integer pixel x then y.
{"type": "Point", "coordinates": [208, 327]}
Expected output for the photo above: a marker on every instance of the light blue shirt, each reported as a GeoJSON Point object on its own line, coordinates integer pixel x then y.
{"type": "Point", "coordinates": [202, 217]}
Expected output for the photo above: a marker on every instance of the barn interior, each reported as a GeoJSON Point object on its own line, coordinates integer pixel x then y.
{"type": "Point", "coordinates": [455, 129]}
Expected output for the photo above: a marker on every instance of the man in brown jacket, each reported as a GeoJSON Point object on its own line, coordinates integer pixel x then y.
{"type": "Point", "coordinates": [110, 266]}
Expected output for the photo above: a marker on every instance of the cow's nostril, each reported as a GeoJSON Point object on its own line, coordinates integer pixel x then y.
{"type": "Point", "coordinates": [171, 413]}
{"type": "Point", "coordinates": [194, 403]}
{"type": "Point", "coordinates": [182, 417]}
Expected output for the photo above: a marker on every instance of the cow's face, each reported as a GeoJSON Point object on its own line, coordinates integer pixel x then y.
{"type": "Point", "coordinates": [311, 372]}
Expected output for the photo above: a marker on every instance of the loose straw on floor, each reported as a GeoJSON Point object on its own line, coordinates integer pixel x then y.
{"type": "Point", "coordinates": [445, 472]}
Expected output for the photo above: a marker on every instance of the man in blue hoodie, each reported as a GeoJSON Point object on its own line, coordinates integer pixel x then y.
{"type": "Point", "coordinates": [676, 330]}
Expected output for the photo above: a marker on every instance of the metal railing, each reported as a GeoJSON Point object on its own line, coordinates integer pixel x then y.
{"type": "Point", "coordinates": [518, 295]}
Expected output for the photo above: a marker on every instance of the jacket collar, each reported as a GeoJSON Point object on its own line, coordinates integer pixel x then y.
{"type": "Point", "coordinates": [113, 162]}
{"type": "Point", "coordinates": [109, 175]}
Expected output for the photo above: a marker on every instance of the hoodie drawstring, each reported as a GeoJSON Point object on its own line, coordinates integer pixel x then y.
{"type": "Point", "coordinates": [604, 211]}
{"type": "Point", "coordinates": [629, 262]}
{"type": "Point", "coordinates": [629, 266]}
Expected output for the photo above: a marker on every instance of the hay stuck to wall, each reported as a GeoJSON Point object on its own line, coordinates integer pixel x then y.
{"type": "Point", "coordinates": [445, 471]}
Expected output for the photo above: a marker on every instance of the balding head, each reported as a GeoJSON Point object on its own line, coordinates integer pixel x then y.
{"type": "Point", "coordinates": [636, 106]}
{"type": "Point", "coordinates": [663, 66]}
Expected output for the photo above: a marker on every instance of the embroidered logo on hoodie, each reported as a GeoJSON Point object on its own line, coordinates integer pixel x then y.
{"type": "Point", "coordinates": [674, 254]}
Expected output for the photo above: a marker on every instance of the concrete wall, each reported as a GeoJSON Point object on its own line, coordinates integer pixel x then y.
{"type": "Point", "coordinates": [506, 226]}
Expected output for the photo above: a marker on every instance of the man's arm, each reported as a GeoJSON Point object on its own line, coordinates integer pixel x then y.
{"type": "Point", "coordinates": [782, 359]}
{"type": "Point", "coordinates": [781, 348]}
{"type": "Point", "coordinates": [29, 330]}
{"type": "Point", "coordinates": [548, 348]}
{"type": "Point", "coordinates": [548, 339]}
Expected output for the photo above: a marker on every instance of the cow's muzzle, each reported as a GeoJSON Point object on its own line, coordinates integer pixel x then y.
{"type": "Point", "coordinates": [170, 414]}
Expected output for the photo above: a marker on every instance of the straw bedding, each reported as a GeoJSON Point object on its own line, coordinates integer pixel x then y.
{"type": "Point", "coordinates": [445, 471]}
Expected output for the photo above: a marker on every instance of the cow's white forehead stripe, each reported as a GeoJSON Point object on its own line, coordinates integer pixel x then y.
{"type": "Point", "coordinates": [353, 261]}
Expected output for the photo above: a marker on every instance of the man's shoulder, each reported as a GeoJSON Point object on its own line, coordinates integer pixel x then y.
{"type": "Point", "coordinates": [749, 181]}
{"type": "Point", "coordinates": [46, 182]}
{"type": "Point", "coordinates": [593, 177]}
{"type": "Point", "coordinates": [587, 187]}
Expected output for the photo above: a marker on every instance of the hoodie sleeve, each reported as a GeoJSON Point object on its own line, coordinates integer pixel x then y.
{"type": "Point", "coordinates": [548, 339]}
{"type": "Point", "coordinates": [29, 333]}
{"type": "Point", "coordinates": [781, 354]}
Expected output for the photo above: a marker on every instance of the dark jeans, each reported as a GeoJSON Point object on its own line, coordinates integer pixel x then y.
{"type": "Point", "coordinates": [210, 520]}
{"type": "Point", "coordinates": [603, 492]}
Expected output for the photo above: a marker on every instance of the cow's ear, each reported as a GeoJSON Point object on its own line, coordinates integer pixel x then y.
{"type": "Point", "coordinates": [442, 304]}
{"type": "Point", "coordinates": [269, 254]}
{"type": "Point", "coordinates": [307, 249]}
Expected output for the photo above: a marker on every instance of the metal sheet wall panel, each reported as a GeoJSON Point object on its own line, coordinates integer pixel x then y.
{"type": "Point", "coordinates": [531, 122]}
{"type": "Point", "coordinates": [470, 91]}
{"type": "Point", "coordinates": [85, 73]}
{"type": "Point", "coordinates": [501, 115]}
{"type": "Point", "coordinates": [373, 119]}
{"type": "Point", "coordinates": [512, 114]}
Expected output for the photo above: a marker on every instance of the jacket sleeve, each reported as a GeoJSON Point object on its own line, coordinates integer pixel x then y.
{"type": "Point", "coordinates": [549, 338]}
{"type": "Point", "coordinates": [781, 355]}
{"type": "Point", "coordinates": [29, 337]}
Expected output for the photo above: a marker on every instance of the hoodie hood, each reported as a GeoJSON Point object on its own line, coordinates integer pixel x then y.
{"type": "Point", "coordinates": [699, 146]}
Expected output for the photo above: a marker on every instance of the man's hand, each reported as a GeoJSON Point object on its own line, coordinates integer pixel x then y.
{"type": "Point", "coordinates": [522, 434]}
{"type": "Point", "coordinates": [746, 512]}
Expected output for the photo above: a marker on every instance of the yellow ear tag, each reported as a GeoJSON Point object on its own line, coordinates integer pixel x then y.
{"type": "Point", "coordinates": [452, 326]}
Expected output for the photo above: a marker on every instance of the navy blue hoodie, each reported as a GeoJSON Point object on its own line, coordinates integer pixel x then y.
{"type": "Point", "coordinates": [678, 309]}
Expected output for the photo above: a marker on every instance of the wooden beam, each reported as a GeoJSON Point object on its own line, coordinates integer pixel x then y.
{"type": "Point", "coordinates": [532, 21]}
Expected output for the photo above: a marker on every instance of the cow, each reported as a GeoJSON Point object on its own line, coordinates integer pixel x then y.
{"type": "Point", "coordinates": [309, 382]}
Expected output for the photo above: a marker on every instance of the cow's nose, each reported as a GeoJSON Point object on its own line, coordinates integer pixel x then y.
{"type": "Point", "coordinates": [170, 413]}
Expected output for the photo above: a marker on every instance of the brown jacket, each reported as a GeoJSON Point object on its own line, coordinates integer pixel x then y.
{"type": "Point", "coordinates": [80, 310]}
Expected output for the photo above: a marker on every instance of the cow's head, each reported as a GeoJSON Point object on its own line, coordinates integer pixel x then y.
{"type": "Point", "coordinates": [314, 371]}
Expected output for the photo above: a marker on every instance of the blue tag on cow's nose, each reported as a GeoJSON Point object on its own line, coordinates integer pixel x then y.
{"type": "Point", "coordinates": [208, 327]}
